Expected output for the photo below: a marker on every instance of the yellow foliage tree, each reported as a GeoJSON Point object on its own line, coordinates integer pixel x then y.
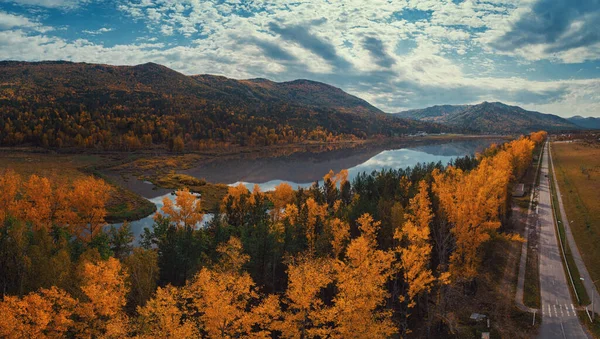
{"type": "Point", "coordinates": [88, 200]}
{"type": "Point", "coordinates": [162, 317]}
{"type": "Point", "coordinates": [415, 249]}
{"type": "Point", "coordinates": [46, 314]}
{"type": "Point", "coordinates": [282, 195]}
{"type": "Point", "coordinates": [306, 312]}
{"type": "Point", "coordinates": [315, 212]}
{"type": "Point", "coordinates": [360, 279]}
{"type": "Point", "coordinates": [9, 186]}
{"type": "Point", "coordinates": [341, 233]}
{"type": "Point", "coordinates": [472, 202]}
{"type": "Point", "coordinates": [104, 286]}
{"type": "Point", "coordinates": [37, 202]}
{"type": "Point", "coordinates": [235, 193]}
{"type": "Point", "coordinates": [221, 298]}
{"type": "Point", "coordinates": [186, 212]}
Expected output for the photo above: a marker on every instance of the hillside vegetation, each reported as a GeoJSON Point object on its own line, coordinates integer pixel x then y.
{"type": "Point", "coordinates": [585, 122]}
{"type": "Point", "coordinates": [416, 249]}
{"type": "Point", "coordinates": [64, 104]}
{"type": "Point", "coordinates": [489, 117]}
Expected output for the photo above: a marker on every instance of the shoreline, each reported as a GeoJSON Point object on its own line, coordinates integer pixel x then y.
{"type": "Point", "coordinates": [159, 166]}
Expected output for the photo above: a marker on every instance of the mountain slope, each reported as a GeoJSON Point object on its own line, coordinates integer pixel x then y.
{"type": "Point", "coordinates": [55, 104]}
{"type": "Point", "coordinates": [434, 113]}
{"type": "Point", "coordinates": [490, 117]}
{"type": "Point", "coordinates": [297, 92]}
{"type": "Point", "coordinates": [587, 123]}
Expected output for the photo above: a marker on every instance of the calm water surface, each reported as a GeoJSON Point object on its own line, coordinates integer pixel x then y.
{"type": "Point", "coordinates": [303, 169]}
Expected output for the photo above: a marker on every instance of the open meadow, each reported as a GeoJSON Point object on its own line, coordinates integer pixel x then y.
{"type": "Point", "coordinates": [577, 167]}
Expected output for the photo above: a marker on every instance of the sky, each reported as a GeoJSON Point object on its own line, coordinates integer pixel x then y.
{"type": "Point", "coordinates": [542, 55]}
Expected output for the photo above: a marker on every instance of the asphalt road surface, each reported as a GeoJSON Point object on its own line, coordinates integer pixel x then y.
{"type": "Point", "coordinates": [559, 319]}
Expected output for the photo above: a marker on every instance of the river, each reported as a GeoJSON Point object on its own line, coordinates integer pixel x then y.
{"type": "Point", "coordinates": [303, 169]}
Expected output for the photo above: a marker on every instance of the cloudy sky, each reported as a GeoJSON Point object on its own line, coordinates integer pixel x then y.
{"type": "Point", "coordinates": [397, 54]}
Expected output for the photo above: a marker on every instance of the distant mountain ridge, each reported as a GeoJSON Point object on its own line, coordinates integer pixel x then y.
{"type": "Point", "coordinates": [66, 103]}
{"type": "Point", "coordinates": [585, 122]}
{"type": "Point", "coordinates": [489, 117]}
{"type": "Point", "coordinates": [299, 92]}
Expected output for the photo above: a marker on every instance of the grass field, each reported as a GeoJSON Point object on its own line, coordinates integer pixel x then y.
{"type": "Point", "coordinates": [122, 205]}
{"type": "Point", "coordinates": [561, 237]}
{"type": "Point", "coordinates": [577, 168]}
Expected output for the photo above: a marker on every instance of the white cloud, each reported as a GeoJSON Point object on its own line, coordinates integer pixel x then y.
{"type": "Point", "coordinates": [9, 21]}
{"type": "Point", "coordinates": [98, 31]}
{"type": "Point", "coordinates": [450, 61]}
{"type": "Point", "coordinates": [64, 4]}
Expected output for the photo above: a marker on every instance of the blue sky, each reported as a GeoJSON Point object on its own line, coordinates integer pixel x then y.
{"type": "Point", "coordinates": [397, 54]}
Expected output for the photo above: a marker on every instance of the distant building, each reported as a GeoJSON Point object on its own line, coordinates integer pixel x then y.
{"type": "Point", "coordinates": [519, 190]}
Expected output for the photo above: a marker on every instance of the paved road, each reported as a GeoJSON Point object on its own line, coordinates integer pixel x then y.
{"type": "Point", "coordinates": [559, 319]}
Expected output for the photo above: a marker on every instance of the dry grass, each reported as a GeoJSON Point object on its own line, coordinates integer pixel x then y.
{"type": "Point", "coordinates": [47, 165]}
{"type": "Point", "coordinates": [159, 164]}
{"type": "Point", "coordinates": [577, 168]}
{"type": "Point", "coordinates": [212, 194]}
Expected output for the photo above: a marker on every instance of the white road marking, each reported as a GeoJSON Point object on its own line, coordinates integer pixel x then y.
{"type": "Point", "coordinates": [555, 312]}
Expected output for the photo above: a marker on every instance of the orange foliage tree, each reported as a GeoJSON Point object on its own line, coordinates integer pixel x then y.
{"type": "Point", "coordinates": [187, 210]}
{"type": "Point", "coordinates": [306, 312]}
{"type": "Point", "coordinates": [221, 298]}
{"type": "Point", "coordinates": [88, 200]}
{"type": "Point", "coordinates": [360, 279]}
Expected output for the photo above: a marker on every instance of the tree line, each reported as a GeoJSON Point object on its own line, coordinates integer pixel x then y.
{"type": "Point", "coordinates": [371, 258]}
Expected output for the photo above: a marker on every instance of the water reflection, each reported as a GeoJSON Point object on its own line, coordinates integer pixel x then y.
{"type": "Point", "coordinates": [137, 227]}
{"type": "Point", "coordinates": [303, 169]}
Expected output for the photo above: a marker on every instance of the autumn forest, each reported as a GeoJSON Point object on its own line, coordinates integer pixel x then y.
{"type": "Point", "coordinates": [61, 105]}
{"type": "Point", "coordinates": [386, 254]}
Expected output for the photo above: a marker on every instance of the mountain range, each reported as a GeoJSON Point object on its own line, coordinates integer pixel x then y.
{"type": "Point", "coordinates": [50, 97]}
{"type": "Point", "coordinates": [59, 103]}
{"type": "Point", "coordinates": [586, 123]}
{"type": "Point", "coordinates": [489, 117]}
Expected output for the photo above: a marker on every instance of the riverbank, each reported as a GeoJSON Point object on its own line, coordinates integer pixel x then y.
{"type": "Point", "coordinates": [142, 175]}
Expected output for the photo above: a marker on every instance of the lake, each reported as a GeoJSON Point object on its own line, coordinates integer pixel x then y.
{"type": "Point", "coordinates": [304, 168]}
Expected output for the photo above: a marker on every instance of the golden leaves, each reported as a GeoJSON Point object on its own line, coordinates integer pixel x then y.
{"type": "Point", "coordinates": [361, 280]}
{"type": "Point", "coordinates": [162, 317]}
{"type": "Point", "coordinates": [9, 186]}
{"type": "Point", "coordinates": [305, 314]}
{"type": "Point", "coordinates": [473, 201]}
{"type": "Point", "coordinates": [341, 233]}
{"type": "Point", "coordinates": [415, 249]}
{"type": "Point", "coordinates": [40, 202]}
{"type": "Point", "coordinates": [88, 201]}
{"type": "Point", "coordinates": [341, 177]}
{"type": "Point", "coordinates": [187, 210]}
{"type": "Point", "coordinates": [316, 212]}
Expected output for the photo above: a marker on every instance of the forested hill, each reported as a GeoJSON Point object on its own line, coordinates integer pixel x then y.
{"type": "Point", "coordinates": [64, 104]}
{"type": "Point", "coordinates": [490, 117]}
{"type": "Point", "coordinates": [585, 122]}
